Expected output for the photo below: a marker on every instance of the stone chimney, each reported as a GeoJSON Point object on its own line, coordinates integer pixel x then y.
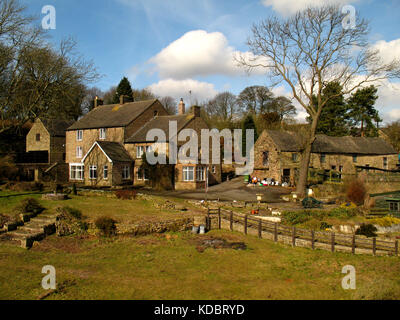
{"type": "Point", "coordinates": [196, 111]}
{"type": "Point", "coordinates": [181, 107]}
{"type": "Point", "coordinates": [97, 102]}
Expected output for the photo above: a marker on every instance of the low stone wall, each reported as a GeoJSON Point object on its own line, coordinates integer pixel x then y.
{"type": "Point", "coordinates": [155, 227]}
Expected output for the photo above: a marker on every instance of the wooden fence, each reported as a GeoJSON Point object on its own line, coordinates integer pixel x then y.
{"type": "Point", "coordinates": [298, 236]}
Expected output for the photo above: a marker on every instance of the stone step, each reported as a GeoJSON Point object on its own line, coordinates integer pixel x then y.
{"type": "Point", "coordinates": [44, 220]}
{"type": "Point", "coordinates": [24, 234]}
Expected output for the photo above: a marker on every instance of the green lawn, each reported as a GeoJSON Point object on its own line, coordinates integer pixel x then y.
{"type": "Point", "coordinates": [170, 267]}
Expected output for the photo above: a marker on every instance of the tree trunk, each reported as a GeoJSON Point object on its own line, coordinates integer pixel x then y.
{"type": "Point", "coordinates": [305, 163]}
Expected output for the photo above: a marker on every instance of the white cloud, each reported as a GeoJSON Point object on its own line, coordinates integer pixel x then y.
{"type": "Point", "coordinates": [198, 53]}
{"type": "Point", "coordinates": [289, 7]}
{"type": "Point", "coordinates": [388, 50]}
{"type": "Point", "coordinates": [177, 89]}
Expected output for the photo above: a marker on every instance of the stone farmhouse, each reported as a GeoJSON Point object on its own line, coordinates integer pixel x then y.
{"type": "Point", "coordinates": [45, 147]}
{"type": "Point", "coordinates": [277, 155]}
{"type": "Point", "coordinates": [105, 147]}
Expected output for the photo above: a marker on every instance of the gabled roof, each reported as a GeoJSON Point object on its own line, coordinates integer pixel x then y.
{"type": "Point", "coordinates": [56, 127]}
{"type": "Point", "coordinates": [161, 122]}
{"type": "Point", "coordinates": [113, 115]}
{"type": "Point", "coordinates": [287, 141]}
{"type": "Point", "coordinates": [114, 151]}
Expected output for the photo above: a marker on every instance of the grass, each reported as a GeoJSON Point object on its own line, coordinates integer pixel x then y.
{"type": "Point", "coordinates": [169, 267]}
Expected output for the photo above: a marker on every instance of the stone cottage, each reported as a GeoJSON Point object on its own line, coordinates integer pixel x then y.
{"type": "Point", "coordinates": [277, 155]}
{"type": "Point", "coordinates": [105, 147]}
{"type": "Point", "coordinates": [45, 147]}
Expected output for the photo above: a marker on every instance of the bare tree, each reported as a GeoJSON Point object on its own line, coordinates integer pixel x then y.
{"type": "Point", "coordinates": [255, 99]}
{"type": "Point", "coordinates": [310, 49]}
{"type": "Point", "coordinates": [223, 106]}
{"type": "Point", "coordinates": [169, 104]}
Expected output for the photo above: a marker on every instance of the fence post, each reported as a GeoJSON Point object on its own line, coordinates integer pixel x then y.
{"type": "Point", "coordinates": [396, 247]}
{"type": "Point", "coordinates": [333, 242]}
{"type": "Point", "coordinates": [294, 236]}
{"type": "Point", "coordinates": [312, 239]}
{"type": "Point", "coordinates": [231, 221]}
{"type": "Point", "coordinates": [245, 224]}
{"type": "Point", "coordinates": [276, 232]}
{"type": "Point", "coordinates": [219, 219]}
{"type": "Point", "coordinates": [208, 222]}
{"type": "Point", "coordinates": [353, 245]}
{"type": "Point", "coordinates": [374, 246]}
{"type": "Point", "coordinates": [260, 228]}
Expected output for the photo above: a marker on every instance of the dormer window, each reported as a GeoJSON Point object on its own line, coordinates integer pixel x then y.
{"type": "Point", "coordinates": [102, 134]}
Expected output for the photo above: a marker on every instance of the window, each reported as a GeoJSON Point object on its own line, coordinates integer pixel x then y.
{"type": "Point", "coordinates": [93, 172]}
{"type": "Point", "coordinates": [126, 172]}
{"type": "Point", "coordinates": [79, 152]}
{"type": "Point", "coordinates": [139, 152]}
{"type": "Point", "coordinates": [354, 158]}
{"type": "Point", "coordinates": [266, 158]}
{"type": "Point", "coordinates": [200, 176]}
{"type": "Point", "coordinates": [188, 173]}
{"type": "Point", "coordinates": [393, 206]}
{"type": "Point", "coordinates": [105, 172]}
{"type": "Point", "coordinates": [323, 158]}
{"type": "Point", "coordinates": [214, 169]}
{"type": "Point", "coordinates": [102, 134]}
{"type": "Point", "coordinates": [385, 163]}
{"type": "Point", "coordinates": [294, 157]}
{"type": "Point", "coordinates": [142, 174]}
{"type": "Point", "coordinates": [76, 172]}
{"type": "Point", "coordinates": [38, 137]}
{"type": "Point", "coordinates": [155, 113]}
{"type": "Point", "coordinates": [79, 135]}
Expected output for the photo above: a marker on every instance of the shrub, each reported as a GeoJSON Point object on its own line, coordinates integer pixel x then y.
{"type": "Point", "coordinates": [385, 221]}
{"type": "Point", "coordinates": [106, 226]}
{"type": "Point", "coordinates": [324, 225]}
{"type": "Point", "coordinates": [8, 169]}
{"type": "Point", "coordinates": [29, 205]}
{"type": "Point", "coordinates": [24, 186]}
{"type": "Point", "coordinates": [3, 220]}
{"type": "Point", "coordinates": [126, 194]}
{"type": "Point", "coordinates": [69, 222]}
{"type": "Point", "coordinates": [356, 191]}
{"type": "Point", "coordinates": [368, 230]}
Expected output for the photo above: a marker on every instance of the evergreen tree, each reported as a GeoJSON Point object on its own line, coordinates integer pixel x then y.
{"type": "Point", "coordinates": [124, 88]}
{"type": "Point", "coordinates": [248, 123]}
{"type": "Point", "coordinates": [334, 115]}
{"type": "Point", "coordinates": [363, 115]}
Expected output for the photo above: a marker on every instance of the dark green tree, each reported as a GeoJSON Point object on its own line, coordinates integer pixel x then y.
{"type": "Point", "coordinates": [335, 114]}
{"type": "Point", "coordinates": [124, 88]}
{"type": "Point", "coordinates": [248, 123]}
{"type": "Point", "coordinates": [364, 118]}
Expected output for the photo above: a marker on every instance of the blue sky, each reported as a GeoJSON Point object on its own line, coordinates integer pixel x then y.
{"type": "Point", "coordinates": [173, 46]}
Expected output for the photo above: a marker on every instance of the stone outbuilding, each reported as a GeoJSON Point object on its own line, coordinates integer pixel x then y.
{"type": "Point", "coordinates": [278, 154]}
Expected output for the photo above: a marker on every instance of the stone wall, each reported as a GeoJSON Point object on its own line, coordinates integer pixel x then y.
{"type": "Point", "coordinates": [155, 227]}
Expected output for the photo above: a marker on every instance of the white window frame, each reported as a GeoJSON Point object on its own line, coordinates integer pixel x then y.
{"type": "Point", "coordinates": [79, 152]}
{"type": "Point", "coordinates": [79, 135]}
{"type": "Point", "coordinates": [214, 169]}
{"type": "Point", "coordinates": [139, 152]}
{"type": "Point", "coordinates": [200, 174]}
{"type": "Point", "coordinates": [102, 134]}
{"type": "Point", "coordinates": [126, 172]}
{"type": "Point", "coordinates": [105, 170]}
{"type": "Point", "coordinates": [92, 169]}
{"type": "Point", "coordinates": [74, 169]}
{"type": "Point", "coordinates": [186, 171]}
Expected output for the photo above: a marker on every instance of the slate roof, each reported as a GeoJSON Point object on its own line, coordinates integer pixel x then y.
{"type": "Point", "coordinates": [56, 127]}
{"type": "Point", "coordinates": [288, 142]}
{"type": "Point", "coordinates": [113, 115]}
{"type": "Point", "coordinates": [161, 122]}
{"type": "Point", "coordinates": [115, 151]}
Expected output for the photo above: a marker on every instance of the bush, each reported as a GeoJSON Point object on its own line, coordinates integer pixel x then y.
{"type": "Point", "coordinates": [368, 230]}
{"type": "Point", "coordinates": [385, 221]}
{"type": "Point", "coordinates": [8, 169]}
{"type": "Point", "coordinates": [29, 205]}
{"type": "Point", "coordinates": [70, 222]}
{"type": "Point", "coordinates": [106, 226]}
{"type": "Point", "coordinates": [324, 225]}
{"type": "Point", "coordinates": [126, 194]}
{"type": "Point", "coordinates": [356, 191]}
{"type": "Point", "coordinates": [24, 186]}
